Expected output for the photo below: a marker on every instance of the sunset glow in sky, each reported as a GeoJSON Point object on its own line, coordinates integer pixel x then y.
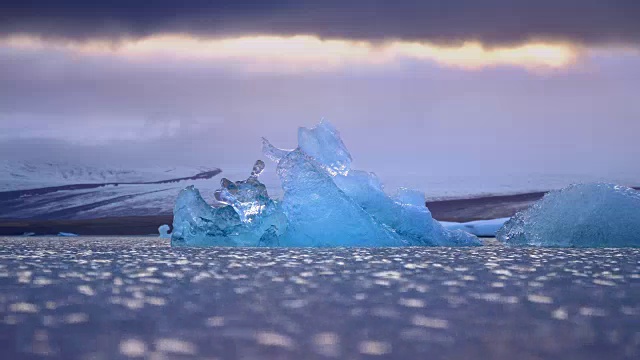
{"type": "Point", "coordinates": [306, 52]}
{"type": "Point", "coordinates": [417, 88]}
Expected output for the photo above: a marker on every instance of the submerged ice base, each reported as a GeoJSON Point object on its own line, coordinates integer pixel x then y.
{"type": "Point", "coordinates": [325, 203]}
{"type": "Point", "coordinates": [585, 215]}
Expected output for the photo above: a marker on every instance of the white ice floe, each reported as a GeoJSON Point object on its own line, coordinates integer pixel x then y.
{"type": "Point", "coordinates": [483, 228]}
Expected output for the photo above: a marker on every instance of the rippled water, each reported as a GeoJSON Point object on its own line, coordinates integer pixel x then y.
{"type": "Point", "coordinates": [121, 297]}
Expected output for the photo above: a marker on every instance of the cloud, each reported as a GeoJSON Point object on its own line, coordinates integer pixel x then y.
{"type": "Point", "coordinates": [304, 53]}
{"type": "Point", "coordinates": [419, 117]}
{"type": "Point", "coordinates": [492, 22]}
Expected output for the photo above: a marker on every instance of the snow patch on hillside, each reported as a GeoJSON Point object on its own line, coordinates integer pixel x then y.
{"type": "Point", "coordinates": [22, 175]}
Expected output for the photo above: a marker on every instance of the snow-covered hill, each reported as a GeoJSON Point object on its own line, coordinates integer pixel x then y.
{"type": "Point", "coordinates": [21, 175]}
{"type": "Point", "coordinates": [65, 191]}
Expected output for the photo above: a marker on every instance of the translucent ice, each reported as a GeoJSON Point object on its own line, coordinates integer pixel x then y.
{"type": "Point", "coordinates": [320, 214]}
{"type": "Point", "coordinates": [405, 213]}
{"type": "Point", "coordinates": [247, 218]}
{"type": "Point", "coordinates": [325, 203]}
{"type": "Point", "coordinates": [323, 143]}
{"type": "Point", "coordinates": [164, 231]}
{"type": "Point", "coordinates": [247, 197]}
{"type": "Point", "coordinates": [587, 215]}
{"type": "Point", "coordinates": [67, 234]}
{"type": "Point", "coordinates": [271, 152]}
{"type": "Point", "coordinates": [485, 228]}
{"type": "Point", "coordinates": [197, 223]}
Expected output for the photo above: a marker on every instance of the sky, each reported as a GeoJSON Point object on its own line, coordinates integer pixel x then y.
{"type": "Point", "coordinates": [423, 93]}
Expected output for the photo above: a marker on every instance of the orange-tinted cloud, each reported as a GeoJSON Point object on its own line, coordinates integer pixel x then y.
{"type": "Point", "coordinates": [308, 53]}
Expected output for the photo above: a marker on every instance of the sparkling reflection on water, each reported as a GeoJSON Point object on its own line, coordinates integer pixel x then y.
{"type": "Point", "coordinates": [128, 297]}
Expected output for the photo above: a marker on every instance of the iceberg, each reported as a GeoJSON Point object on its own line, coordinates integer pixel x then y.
{"type": "Point", "coordinates": [584, 215]}
{"type": "Point", "coordinates": [320, 214]}
{"type": "Point", "coordinates": [67, 234]}
{"type": "Point", "coordinates": [163, 230]}
{"type": "Point", "coordinates": [196, 223]}
{"type": "Point", "coordinates": [325, 203]}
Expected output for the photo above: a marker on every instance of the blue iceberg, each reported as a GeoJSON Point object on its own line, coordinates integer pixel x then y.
{"type": "Point", "coordinates": [325, 203]}
{"type": "Point", "coordinates": [246, 216]}
{"type": "Point", "coordinates": [67, 234]}
{"type": "Point", "coordinates": [163, 230]}
{"type": "Point", "coordinates": [585, 215]}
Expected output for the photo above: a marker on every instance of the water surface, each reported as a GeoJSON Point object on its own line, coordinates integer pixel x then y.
{"type": "Point", "coordinates": [124, 297]}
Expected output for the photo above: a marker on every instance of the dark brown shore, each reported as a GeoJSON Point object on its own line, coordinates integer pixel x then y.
{"type": "Point", "coordinates": [458, 210]}
{"type": "Point", "coordinates": [482, 208]}
{"type": "Point", "coordinates": [132, 225]}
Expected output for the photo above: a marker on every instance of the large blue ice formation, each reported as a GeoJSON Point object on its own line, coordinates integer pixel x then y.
{"type": "Point", "coordinates": [325, 203]}
{"type": "Point", "coordinates": [586, 215]}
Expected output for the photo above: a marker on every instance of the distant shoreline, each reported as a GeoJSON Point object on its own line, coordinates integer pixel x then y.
{"type": "Point", "coordinates": [457, 210]}
{"type": "Point", "coordinates": [16, 194]}
{"type": "Point", "coordinates": [482, 208]}
{"type": "Point", "coordinates": [130, 225]}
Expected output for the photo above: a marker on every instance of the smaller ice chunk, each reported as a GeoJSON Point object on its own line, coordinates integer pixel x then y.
{"type": "Point", "coordinates": [196, 223]}
{"type": "Point", "coordinates": [248, 216]}
{"type": "Point", "coordinates": [483, 228]}
{"type": "Point", "coordinates": [323, 143]}
{"type": "Point", "coordinates": [454, 237]}
{"type": "Point", "coordinates": [67, 234]}
{"type": "Point", "coordinates": [163, 230]}
{"type": "Point", "coordinates": [584, 215]}
{"type": "Point", "coordinates": [247, 197]}
{"type": "Point", "coordinates": [258, 168]}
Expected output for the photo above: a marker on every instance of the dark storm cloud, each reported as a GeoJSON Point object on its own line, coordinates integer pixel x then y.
{"type": "Point", "coordinates": [491, 21]}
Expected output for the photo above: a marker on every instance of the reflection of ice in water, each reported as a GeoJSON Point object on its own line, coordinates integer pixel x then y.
{"type": "Point", "coordinates": [324, 203]}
